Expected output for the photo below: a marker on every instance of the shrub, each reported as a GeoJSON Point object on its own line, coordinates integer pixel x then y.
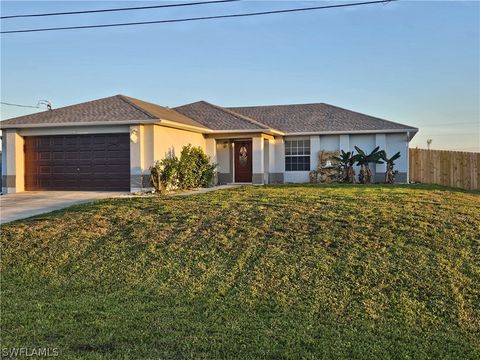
{"type": "Point", "coordinates": [192, 170]}
{"type": "Point", "coordinates": [164, 174]}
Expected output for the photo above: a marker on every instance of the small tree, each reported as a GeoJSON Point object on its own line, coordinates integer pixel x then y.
{"type": "Point", "coordinates": [347, 159]}
{"type": "Point", "coordinates": [363, 159]}
{"type": "Point", "coordinates": [389, 172]}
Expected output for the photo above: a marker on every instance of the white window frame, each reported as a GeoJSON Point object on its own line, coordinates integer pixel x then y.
{"type": "Point", "coordinates": [298, 148]}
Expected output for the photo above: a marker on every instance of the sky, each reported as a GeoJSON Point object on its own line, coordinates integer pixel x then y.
{"type": "Point", "coordinates": [413, 62]}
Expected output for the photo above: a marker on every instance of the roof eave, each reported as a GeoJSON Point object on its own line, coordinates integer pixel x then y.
{"type": "Point", "coordinates": [346, 132]}
{"type": "Point", "coordinates": [177, 125]}
{"type": "Point", "coordinates": [84, 123]}
{"type": "Point", "coordinates": [252, 131]}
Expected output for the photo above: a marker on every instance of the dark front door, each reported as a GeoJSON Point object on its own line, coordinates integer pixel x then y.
{"type": "Point", "coordinates": [243, 161]}
{"type": "Point", "coordinates": [78, 162]}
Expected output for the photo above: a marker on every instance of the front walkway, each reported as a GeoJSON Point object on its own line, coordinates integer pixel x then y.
{"type": "Point", "coordinates": [30, 203]}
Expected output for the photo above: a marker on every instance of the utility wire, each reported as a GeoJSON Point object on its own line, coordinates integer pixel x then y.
{"type": "Point", "coordinates": [449, 124]}
{"type": "Point", "coordinates": [198, 18]}
{"type": "Point", "coordinates": [25, 106]}
{"type": "Point", "coordinates": [38, 106]}
{"type": "Point", "coordinates": [451, 134]}
{"type": "Point", "coordinates": [116, 9]}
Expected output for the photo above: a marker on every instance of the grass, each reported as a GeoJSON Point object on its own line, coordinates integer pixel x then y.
{"type": "Point", "coordinates": [253, 272]}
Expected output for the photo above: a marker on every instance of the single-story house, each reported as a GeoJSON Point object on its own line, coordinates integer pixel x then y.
{"type": "Point", "coordinates": [110, 143]}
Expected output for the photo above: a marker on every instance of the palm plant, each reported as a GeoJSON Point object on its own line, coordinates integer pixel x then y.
{"type": "Point", "coordinates": [347, 159]}
{"type": "Point", "coordinates": [363, 159]}
{"type": "Point", "coordinates": [390, 163]}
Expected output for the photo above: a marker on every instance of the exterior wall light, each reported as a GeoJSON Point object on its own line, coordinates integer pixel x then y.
{"type": "Point", "coordinates": [134, 135]}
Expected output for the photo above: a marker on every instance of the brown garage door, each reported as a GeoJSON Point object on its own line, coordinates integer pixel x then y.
{"type": "Point", "coordinates": [78, 162]}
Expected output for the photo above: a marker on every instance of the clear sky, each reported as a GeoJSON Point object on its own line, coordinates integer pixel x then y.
{"type": "Point", "coordinates": [415, 62]}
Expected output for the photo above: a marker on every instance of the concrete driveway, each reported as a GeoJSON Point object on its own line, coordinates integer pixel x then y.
{"type": "Point", "coordinates": [30, 203]}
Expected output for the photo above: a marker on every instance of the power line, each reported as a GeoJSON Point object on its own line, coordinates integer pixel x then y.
{"type": "Point", "coordinates": [38, 106]}
{"type": "Point", "coordinates": [25, 106]}
{"type": "Point", "coordinates": [116, 9]}
{"type": "Point", "coordinates": [449, 124]}
{"type": "Point", "coordinates": [451, 134]}
{"type": "Point", "coordinates": [198, 18]}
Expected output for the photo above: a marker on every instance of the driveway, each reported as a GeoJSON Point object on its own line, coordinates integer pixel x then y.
{"type": "Point", "coordinates": [30, 203]}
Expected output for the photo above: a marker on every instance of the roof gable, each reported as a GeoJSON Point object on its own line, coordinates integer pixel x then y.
{"type": "Point", "coordinates": [110, 110]}
{"type": "Point", "coordinates": [160, 112]}
{"type": "Point", "coordinates": [218, 118]}
{"type": "Point", "coordinates": [113, 108]}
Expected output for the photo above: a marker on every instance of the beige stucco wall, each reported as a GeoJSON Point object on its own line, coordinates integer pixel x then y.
{"type": "Point", "coordinates": [13, 162]}
{"type": "Point", "coordinates": [149, 143]}
{"type": "Point", "coordinates": [137, 149]}
{"type": "Point", "coordinates": [170, 141]}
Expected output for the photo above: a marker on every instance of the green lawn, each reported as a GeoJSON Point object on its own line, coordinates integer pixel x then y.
{"type": "Point", "coordinates": [252, 272]}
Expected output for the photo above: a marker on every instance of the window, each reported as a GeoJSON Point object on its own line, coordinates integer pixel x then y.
{"type": "Point", "coordinates": [297, 155]}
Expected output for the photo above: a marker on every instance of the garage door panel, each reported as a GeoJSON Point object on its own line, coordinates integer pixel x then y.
{"type": "Point", "coordinates": [100, 139]}
{"type": "Point", "coordinates": [44, 141]}
{"type": "Point", "coordinates": [101, 154]}
{"type": "Point", "coordinates": [85, 155]}
{"type": "Point", "coordinates": [85, 169]}
{"type": "Point", "coordinates": [115, 154]}
{"type": "Point", "coordinates": [71, 155]}
{"type": "Point", "coordinates": [58, 155]}
{"type": "Point", "coordinates": [45, 170]}
{"type": "Point", "coordinates": [78, 162]}
{"type": "Point", "coordinates": [56, 141]}
{"type": "Point", "coordinates": [116, 169]}
{"type": "Point", "coordinates": [70, 141]}
{"type": "Point", "coordinates": [44, 155]}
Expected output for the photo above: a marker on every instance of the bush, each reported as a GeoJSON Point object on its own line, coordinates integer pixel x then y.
{"type": "Point", "coordinates": [164, 174]}
{"type": "Point", "coordinates": [192, 170]}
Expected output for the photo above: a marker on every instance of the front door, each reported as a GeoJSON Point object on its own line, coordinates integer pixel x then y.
{"type": "Point", "coordinates": [243, 161]}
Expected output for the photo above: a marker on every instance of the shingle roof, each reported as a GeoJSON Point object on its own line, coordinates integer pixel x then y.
{"type": "Point", "coordinates": [112, 109]}
{"type": "Point", "coordinates": [218, 118]}
{"type": "Point", "coordinates": [290, 119]}
{"type": "Point", "coordinates": [304, 118]}
{"type": "Point", "coordinates": [160, 112]}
